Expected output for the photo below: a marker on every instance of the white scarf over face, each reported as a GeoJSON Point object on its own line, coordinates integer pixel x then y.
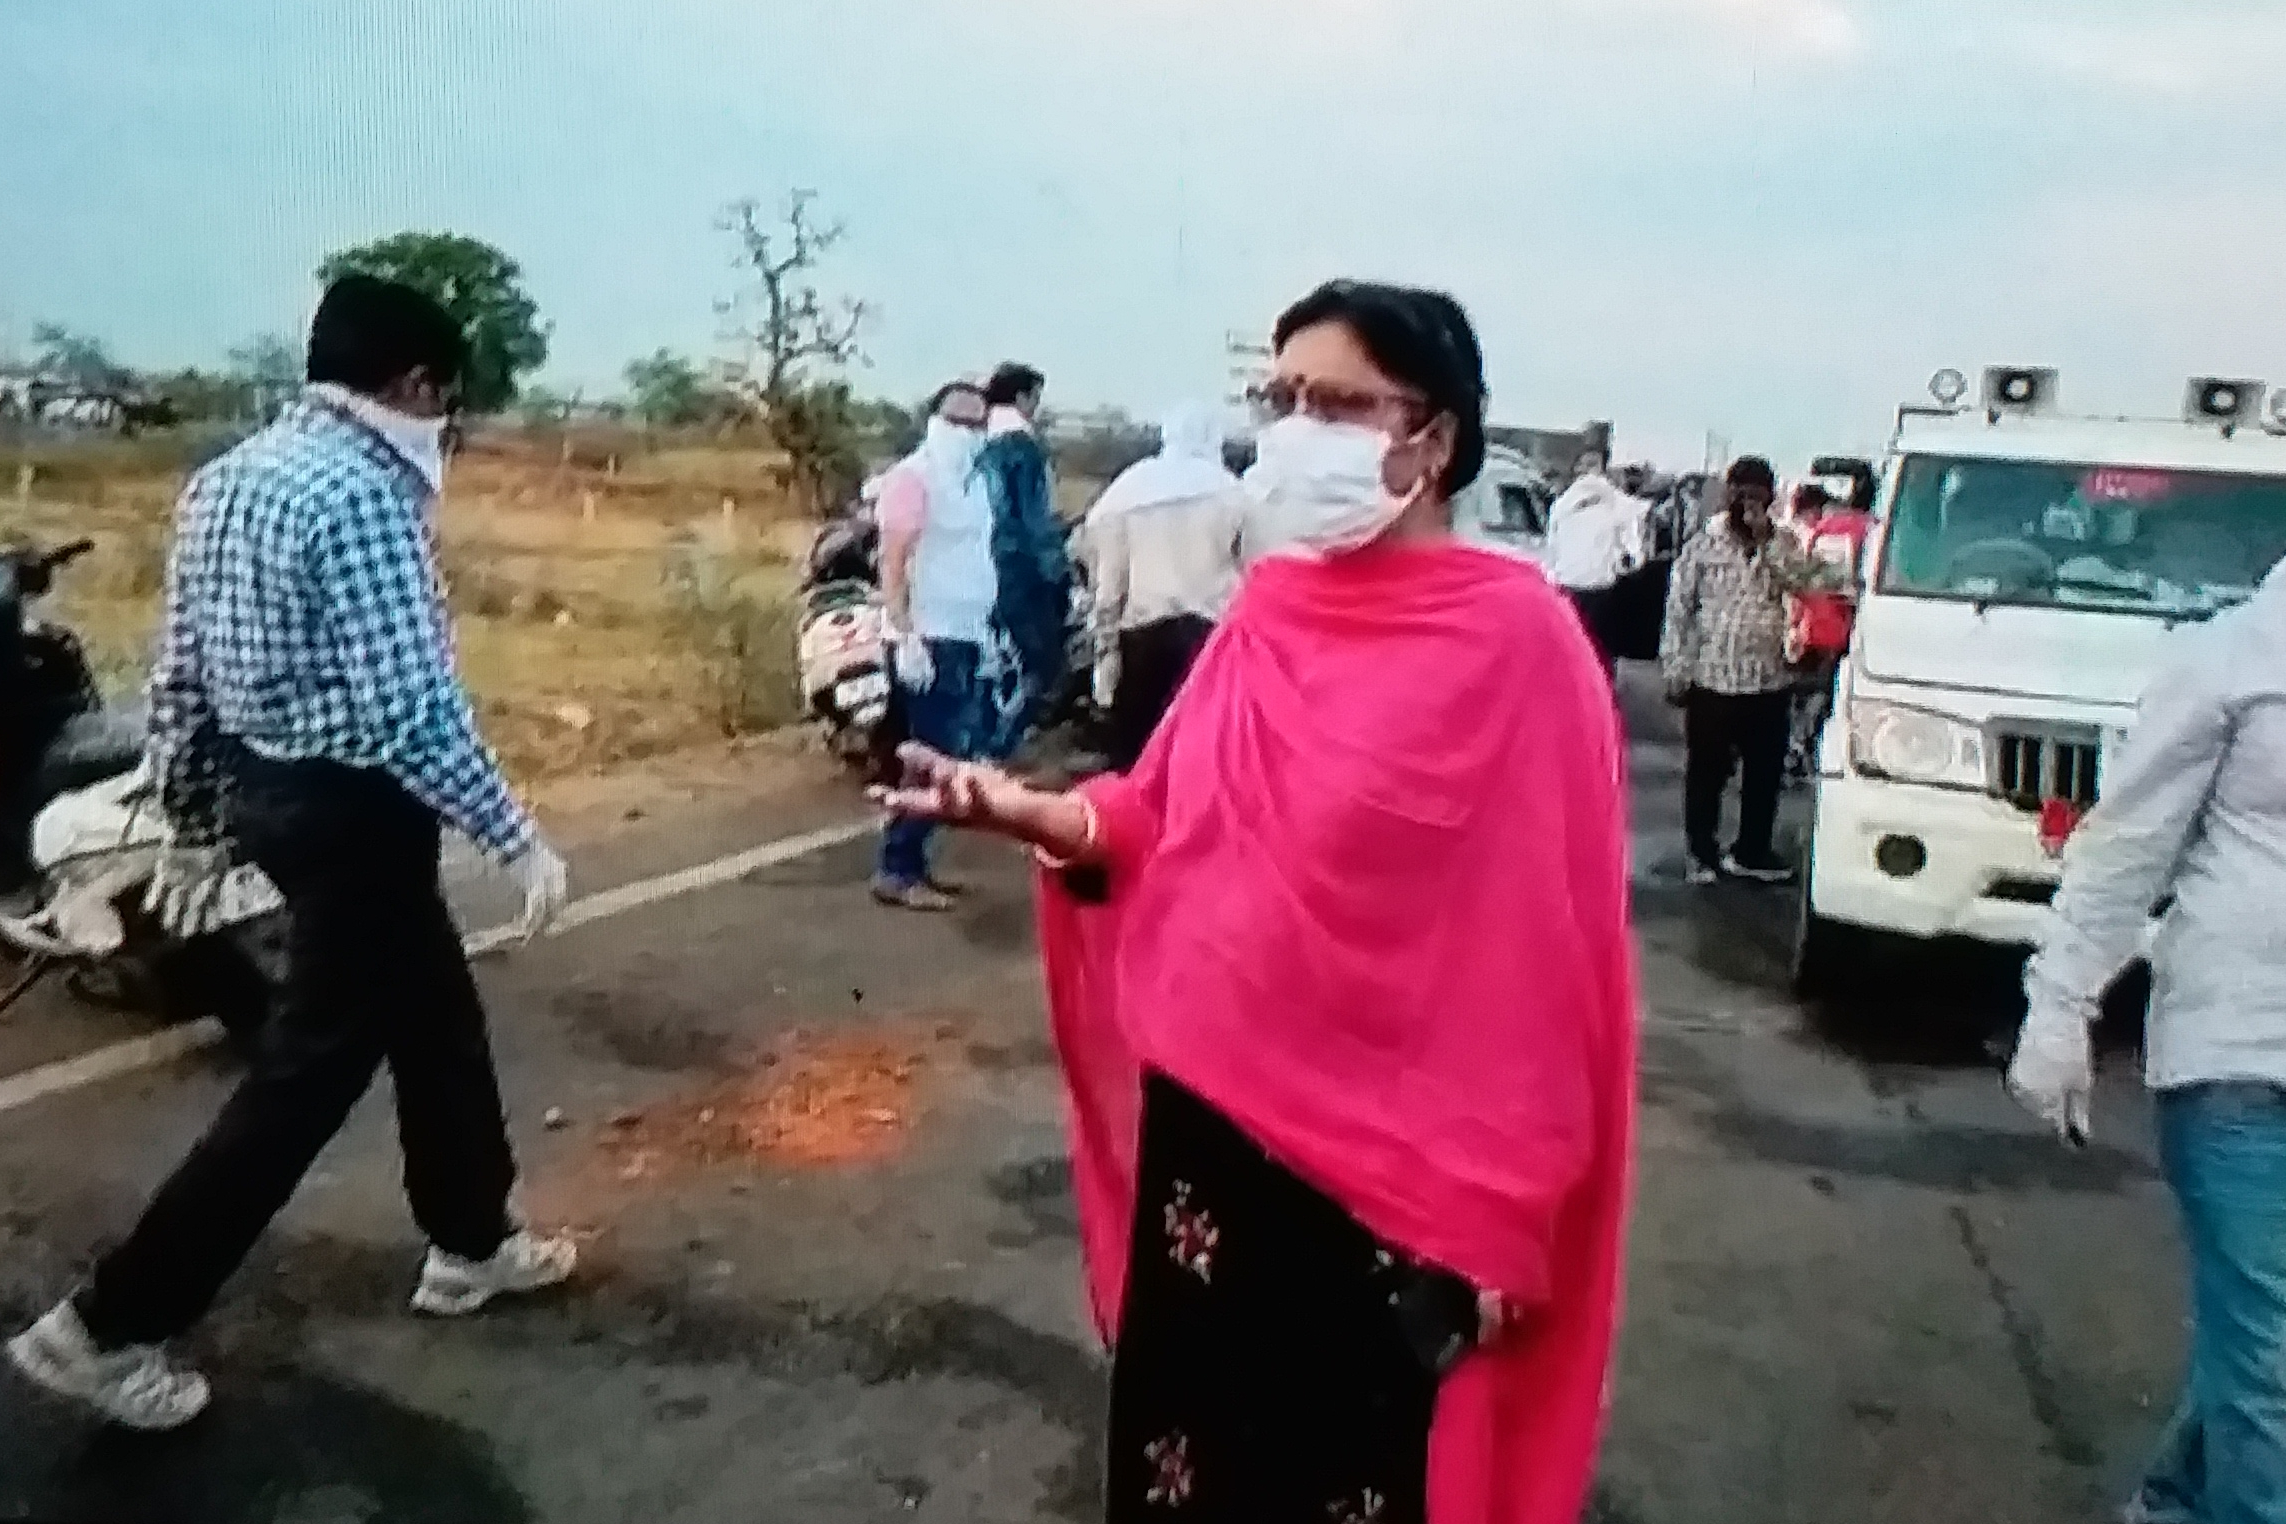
{"type": "Point", "coordinates": [419, 440]}
{"type": "Point", "coordinates": [1188, 465]}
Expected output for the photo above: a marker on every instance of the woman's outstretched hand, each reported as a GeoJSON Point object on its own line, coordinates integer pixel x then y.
{"type": "Point", "coordinates": [983, 798]}
{"type": "Point", "coordinates": [973, 794]}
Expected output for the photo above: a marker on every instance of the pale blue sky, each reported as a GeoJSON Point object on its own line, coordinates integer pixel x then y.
{"type": "Point", "coordinates": [1773, 218]}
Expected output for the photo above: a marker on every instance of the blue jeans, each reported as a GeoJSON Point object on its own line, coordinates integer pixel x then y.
{"type": "Point", "coordinates": [952, 715]}
{"type": "Point", "coordinates": [2223, 1459]}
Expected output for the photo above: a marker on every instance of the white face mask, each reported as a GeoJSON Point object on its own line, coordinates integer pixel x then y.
{"type": "Point", "coordinates": [419, 440]}
{"type": "Point", "coordinates": [1320, 485]}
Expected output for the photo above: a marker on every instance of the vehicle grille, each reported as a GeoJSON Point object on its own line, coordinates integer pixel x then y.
{"type": "Point", "coordinates": [2031, 767]}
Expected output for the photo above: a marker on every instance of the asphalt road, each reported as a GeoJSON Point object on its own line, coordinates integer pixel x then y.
{"type": "Point", "coordinates": [831, 1273]}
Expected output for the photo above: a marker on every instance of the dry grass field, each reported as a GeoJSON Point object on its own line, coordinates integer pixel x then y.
{"type": "Point", "coordinates": [614, 601]}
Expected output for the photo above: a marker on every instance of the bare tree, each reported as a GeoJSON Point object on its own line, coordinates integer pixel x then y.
{"type": "Point", "coordinates": [792, 341]}
{"type": "Point", "coordinates": [785, 326]}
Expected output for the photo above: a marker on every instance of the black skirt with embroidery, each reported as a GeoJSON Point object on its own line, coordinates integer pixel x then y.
{"type": "Point", "coordinates": [1262, 1374]}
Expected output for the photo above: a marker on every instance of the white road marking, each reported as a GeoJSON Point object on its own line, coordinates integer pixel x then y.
{"type": "Point", "coordinates": [165, 1046]}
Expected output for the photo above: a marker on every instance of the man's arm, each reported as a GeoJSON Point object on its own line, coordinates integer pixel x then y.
{"type": "Point", "coordinates": [902, 510]}
{"type": "Point", "coordinates": [2123, 859]}
{"type": "Point", "coordinates": [378, 577]}
{"type": "Point", "coordinates": [185, 740]}
{"type": "Point", "coordinates": [1679, 634]}
{"type": "Point", "coordinates": [1107, 540]}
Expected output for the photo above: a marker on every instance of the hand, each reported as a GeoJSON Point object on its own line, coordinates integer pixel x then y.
{"type": "Point", "coordinates": [909, 658]}
{"type": "Point", "coordinates": [2053, 1073]}
{"type": "Point", "coordinates": [975, 794]}
{"type": "Point", "coordinates": [186, 886]}
{"type": "Point", "coordinates": [1495, 1319]}
{"type": "Point", "coordinates": [1106, 680]}
{"type": "Point", "coordinates": [546, 885]}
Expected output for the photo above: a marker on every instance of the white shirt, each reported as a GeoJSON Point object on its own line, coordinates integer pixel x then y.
{"type": "Point", "coordinates": [2194, 807]}
{"type": "Point", "coordinates": [1595, 535]}
{"type": "Point", "coordinates": [1155, 562]}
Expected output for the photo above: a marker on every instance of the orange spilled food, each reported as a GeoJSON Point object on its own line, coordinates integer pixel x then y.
{"type": "Point", "coordinates": [825, 1102]}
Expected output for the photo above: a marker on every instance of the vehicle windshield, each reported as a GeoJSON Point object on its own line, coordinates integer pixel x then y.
{"type": "Point", "coordinates": [2172, 544]}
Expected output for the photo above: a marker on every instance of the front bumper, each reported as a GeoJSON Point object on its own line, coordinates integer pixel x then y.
{"type": "Point", "coordinates": [1986, 876]}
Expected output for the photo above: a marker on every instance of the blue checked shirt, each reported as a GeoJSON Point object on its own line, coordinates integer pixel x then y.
{"type": "Point", "coordinates": [306, 619]}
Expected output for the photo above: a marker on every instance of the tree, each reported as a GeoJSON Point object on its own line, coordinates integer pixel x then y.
{"type": "Point", "coordinates": [484, 291]}
{"type": "Point", "coordinates": [666, 389]}
{"type": "Point", "coordinates": [784, 324]}
{"type": "Point", "coordinates": [78, 358]}
{"type": "Point", "coordinates": [269, 366]}
{"type": "Point", "coordinates": [788, 333]}
{"type": "Point", "coordinates": [268, 360]}
{"type": "Point", "coordinates": [545, 407]}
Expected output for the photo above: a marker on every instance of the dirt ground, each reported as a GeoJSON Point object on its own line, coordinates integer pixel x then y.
{"type": "Point", "coordinates": [609, 608]}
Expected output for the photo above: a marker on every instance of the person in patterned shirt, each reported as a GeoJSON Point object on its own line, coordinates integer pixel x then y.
{"type": "Point", "coordinates": [306, 716]}
{"type": "Point", "coordinates": [1723, 655]}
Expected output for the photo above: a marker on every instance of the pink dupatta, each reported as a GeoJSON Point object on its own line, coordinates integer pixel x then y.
{"type": "Point", "coordinates": [1370, 901]}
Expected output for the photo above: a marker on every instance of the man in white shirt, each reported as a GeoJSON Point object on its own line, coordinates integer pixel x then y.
{"type": "Point", "coordinates": [1595, 537]}
{"type": "Point", "coordinates": [1164, 542]}
{"type": "Point", "coordinates": [2193, 818]}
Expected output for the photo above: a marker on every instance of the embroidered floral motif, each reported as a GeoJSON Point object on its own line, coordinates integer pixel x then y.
{"type": "Point", "coordinates": [1173, 1477]}
{"type": "Point", "coordinates": [1191, 1235]}
{"type": "Point", "coordinates": [1366, 1508]}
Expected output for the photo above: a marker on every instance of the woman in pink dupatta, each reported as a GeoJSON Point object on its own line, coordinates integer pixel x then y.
{"type": "Point", "coordinates": [1341, 980]}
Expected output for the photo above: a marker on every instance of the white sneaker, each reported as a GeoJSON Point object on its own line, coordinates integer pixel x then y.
{"type": "Point", "coordinates": [136, 1387]}
{"type": "Point", "coordinates": [452, 1287]}
{"type": "Point", "coordinates": [1696, 872]}
{"type": "Point", "coordinates": [1772, 872]}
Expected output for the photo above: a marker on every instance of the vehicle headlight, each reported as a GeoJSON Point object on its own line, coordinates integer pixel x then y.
{"type": "Point", "coordinates": [1914, 745]}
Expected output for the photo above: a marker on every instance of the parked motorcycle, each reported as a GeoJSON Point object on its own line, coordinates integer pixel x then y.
{"type": "Point", "coordinates": [81, 832]}
{"type": "Point", "coordinates": [843, 639]}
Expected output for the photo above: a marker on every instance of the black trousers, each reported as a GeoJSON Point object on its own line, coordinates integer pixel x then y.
{"type": "Point", "coordinates": [1153, 661]}
{"type": "Point", "coordinates": [1598, 609]}
{"type": "Point", "coordinates": [375, 973]}
{"type": "Point", "coordinates": [1262, 1375]}
{"type": "Point", "coordinates": [1723, 732]}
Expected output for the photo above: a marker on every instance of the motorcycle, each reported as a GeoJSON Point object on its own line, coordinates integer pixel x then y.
{"type": "Point", "coordinates": [843, 639]}
{"type": "Point", "coordinates": [81, 832]}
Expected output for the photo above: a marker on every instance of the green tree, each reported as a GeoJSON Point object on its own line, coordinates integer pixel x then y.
{"type": "Point", "coordinates": [545, 407]}
{"type": "Point", "coordinates": [268, 361]}
{"type": "Point", "coordinates": [484, 291]}
{"type": "Point", "coordinates": [269, 366]}
{"type": "Point", "coordinates": [666, 389]}
{"type": "Point", "coordinates": [81, 359]}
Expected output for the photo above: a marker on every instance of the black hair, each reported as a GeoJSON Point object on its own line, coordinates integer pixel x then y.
{"type": "Point", "coordinates": [1419, 339]}
{"type": "Point", "coordinates": [1751, 471]}
{"type": "Point", "coordinates": [369, 333]}
{"type": "Point", "coordinates": [945, 393]}
{"type": "Point", "coordinates": [1010, 381]}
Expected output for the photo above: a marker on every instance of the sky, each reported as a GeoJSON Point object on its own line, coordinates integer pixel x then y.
{"type": "Point", "coordinates": [1769, 219]}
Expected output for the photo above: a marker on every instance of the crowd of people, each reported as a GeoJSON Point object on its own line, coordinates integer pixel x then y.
{"type": "Point", "coordinates": [1352, 1208]}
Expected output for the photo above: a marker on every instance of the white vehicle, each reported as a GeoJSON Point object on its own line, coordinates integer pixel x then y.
{"type": "Point", "coordinates": [2027, 571]}
{"type": "Point", "coordinates": [1507, 505]}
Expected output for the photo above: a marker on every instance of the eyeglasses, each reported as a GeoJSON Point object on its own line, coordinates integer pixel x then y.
{"type": "Point", "coordinates": [1332, 403]}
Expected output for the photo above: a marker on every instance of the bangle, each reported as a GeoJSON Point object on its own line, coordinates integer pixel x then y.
{"type": "Point", "coordinates": [1088, 842]}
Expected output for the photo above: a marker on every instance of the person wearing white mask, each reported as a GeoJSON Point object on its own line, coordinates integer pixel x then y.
{"type": "Point", "coordinates": [306, 716]}
{"type": "Point", "coordinates": [1163, 542]}
{"type": "Point", "coordinates": [1340, 978]}
{"type": "Point", "coordinates": [940, 582]}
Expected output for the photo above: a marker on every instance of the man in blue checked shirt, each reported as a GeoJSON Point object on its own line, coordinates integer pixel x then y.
{"type": "Point", "coordinates": [306, 716]}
